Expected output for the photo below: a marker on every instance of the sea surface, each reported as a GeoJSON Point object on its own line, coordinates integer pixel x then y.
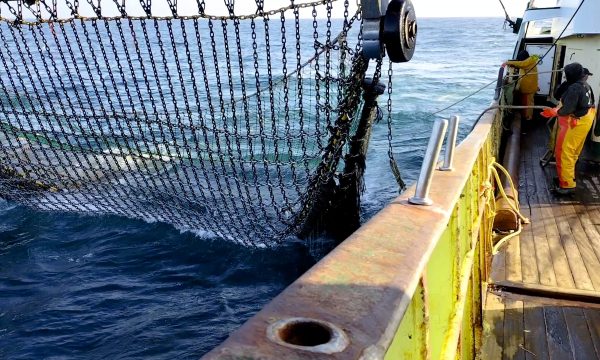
{"type": "Point", "coordinates": [106, 287]}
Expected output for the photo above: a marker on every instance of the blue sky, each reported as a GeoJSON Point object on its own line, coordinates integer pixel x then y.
{"type": "Point", "coordinates": [424, 8]}
{"type": "Point", "coordinates": [468, 8]}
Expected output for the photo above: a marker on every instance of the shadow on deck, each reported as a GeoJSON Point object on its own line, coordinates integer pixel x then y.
{"type": "Point", "coordinates": [544, 295]}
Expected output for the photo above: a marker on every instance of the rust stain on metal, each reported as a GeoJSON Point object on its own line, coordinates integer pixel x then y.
{"type": "Point", "coordinates": [425, 324]}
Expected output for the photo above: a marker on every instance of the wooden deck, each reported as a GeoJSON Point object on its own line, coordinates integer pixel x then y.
{"type": "Point", "coordinates": [523, 327]}
{"type": "Point", "coordinates": [556, 258]}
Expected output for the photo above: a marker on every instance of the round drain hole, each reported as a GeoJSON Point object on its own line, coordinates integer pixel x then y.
{"type": "Point", "coordinates": [308, 334]}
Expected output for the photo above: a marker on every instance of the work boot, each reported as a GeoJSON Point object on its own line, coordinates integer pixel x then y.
{"type": "Point", "coordinates": [564, 191]}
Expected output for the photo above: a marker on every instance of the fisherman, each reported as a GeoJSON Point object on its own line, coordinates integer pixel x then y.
{"type": "Point", "coordinates": [576, 114]}
{"type": "Point", "coordinates": [527, 84]}
{"type": "Point", "coordinates": [558, 93]}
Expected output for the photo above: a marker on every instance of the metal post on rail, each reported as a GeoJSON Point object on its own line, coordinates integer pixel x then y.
{"type": "Point", "coordinates": [431, 155]}
{"type": "Point", "coordinates": [450, 143]}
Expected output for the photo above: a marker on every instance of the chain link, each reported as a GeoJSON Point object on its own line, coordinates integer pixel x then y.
{"type": "Point", "coordinates": [393, 163]}
{"type": "Point", "coordinates": [145, 5]}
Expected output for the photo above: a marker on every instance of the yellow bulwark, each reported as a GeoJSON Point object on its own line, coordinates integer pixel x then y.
{"type": "Point", "coordinates": [444, 318]}
{"type": "Point", "coordinates": [407, 285]}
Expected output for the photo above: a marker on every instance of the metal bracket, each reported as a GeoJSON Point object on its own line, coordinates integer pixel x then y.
{"type": "Point", "coordinates": [450, 143]}
{"type": "Point", "coordinates": [431, 155]}
{"type": "Point", "coordinates": [372, 13]}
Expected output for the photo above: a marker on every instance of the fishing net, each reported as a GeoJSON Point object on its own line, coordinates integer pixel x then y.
{"type": "Point", "coordinates": [229, 119]}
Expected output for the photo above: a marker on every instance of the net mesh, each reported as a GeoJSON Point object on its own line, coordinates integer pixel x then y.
{"type": "Point", "coordinates": [221, 118]}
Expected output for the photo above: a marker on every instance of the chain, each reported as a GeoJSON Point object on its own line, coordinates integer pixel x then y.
{"type": "Point", "coordinates": [286, 106]}
{"type": "Point", "coordinates": [104, 114]}
{"type": "Point", "coordinates": [260, 113]}
{"type": "Point", "coordinates": [213, 165]}
{"type": "Point", "coordinates": [315, 25]}
{"type": "Point", "coordinates": [18, 18]}
{"type": "Point", "coordinates": [206, 194]}
{"type": "Point", "coordinates": [393, 163]}
{"type": "Point", "coordinates": [233, 119]}
{"type": "Point", "coordinates": [248, 129]}
{"type": "Point", "coordinates": [299, 92]}
{"type": "Point", "coordinates": [230, 194]}
{"type": "Point", "coordinates": [274, 130]}
{"type": "Point", "coordinates": [328, 66]}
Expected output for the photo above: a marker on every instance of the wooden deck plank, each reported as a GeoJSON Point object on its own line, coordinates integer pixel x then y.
{"type": "Point", "coordinates": [534, 329]}
{"type": "Point", "coordinates": [545, 262]}
{"type": "Point", "coordinates": [579, 271]}
{"type": "Point", "coordinates": [493, 328]}
{"type": "Point", "coordinates": [529, 256]}
{"type": "Point", "coordinates": [544, 259]}
{"type": "Point", "coordinates": [530, 273]}
{"type": "Point", "coordinates": [525, 327]}
{"type": "Point", "coordinates": [580, 275]}
{"type": "Point", "coordinates": [560, 263]}
{"type": "Point", "coordinates": [583, 244]}
{"type": "Point", "coordinates": [512, 250]}
{"type": "Point", "coordinates": [586, 213]}
{"type": "Point", "coordinates": [513, 330]}
{"type": "Point", "coordinates": [582, 345]}
{"type": "Point", "coordinates": [576, 245]}
{"type": "Point", "coordinates": [595, 217]}
{"type": "Point", "coordinates": [592, 317]}
{"type": "Point", "coordinates": [541, 202]}
{"type": "Point", "coordinates": [557, 334]}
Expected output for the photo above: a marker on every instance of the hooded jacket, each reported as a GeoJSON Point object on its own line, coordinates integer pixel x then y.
{"type": "Point", "coordinates": [528, 84]}
{"type": "Point", "coordinates": [577, 99]}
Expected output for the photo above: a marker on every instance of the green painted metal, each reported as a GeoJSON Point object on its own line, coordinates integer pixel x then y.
{"type": "Point", "coordinates": [428, 330]}
{"type": "Point", "coordinates": [411, 338]}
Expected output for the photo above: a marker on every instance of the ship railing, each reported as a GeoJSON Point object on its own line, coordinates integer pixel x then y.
{"type": "Point", "coordinates": [406, 285]}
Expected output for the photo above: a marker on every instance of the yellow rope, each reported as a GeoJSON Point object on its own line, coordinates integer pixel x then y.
{"type": "Point", "coordinates": [490, 205]}
{"type": "Point", "coordinates": [494, 166]}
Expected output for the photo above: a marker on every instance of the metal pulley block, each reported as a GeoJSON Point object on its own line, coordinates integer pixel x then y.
{"type": "Point", "coordinates": [394, 33]}
{"type": "Point", "coordinates": [400, 30]}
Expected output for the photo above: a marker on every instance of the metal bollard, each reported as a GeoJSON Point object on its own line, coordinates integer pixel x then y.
{"type": "Point", "coordinates": [450, 143]}
{"type": "Point", "coordinates": [431, 155]}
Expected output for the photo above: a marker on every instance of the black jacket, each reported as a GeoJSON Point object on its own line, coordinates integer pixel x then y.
{"type": "Point", "coordinates": [578, 98]}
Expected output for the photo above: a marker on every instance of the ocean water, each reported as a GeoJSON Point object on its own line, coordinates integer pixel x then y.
{"type": "Point", "coordinates": [95, 287]}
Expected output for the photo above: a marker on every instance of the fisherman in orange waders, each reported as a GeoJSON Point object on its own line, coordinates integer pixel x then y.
{"type": "Point", "coordinates": [527, 85]}
{"type": "Point", "coordinates": [576, 114]}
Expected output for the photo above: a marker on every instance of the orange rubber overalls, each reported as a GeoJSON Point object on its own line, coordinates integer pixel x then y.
{"type": "Point", "coordinates": [571, 136]}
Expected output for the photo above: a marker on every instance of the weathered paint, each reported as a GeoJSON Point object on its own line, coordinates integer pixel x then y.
{"type": "Point", "coordinates": [458, 261]}
{"type": "Point", "coordinates": [411, 341]}
{"type": "Point", "coordinates": [371, 286]}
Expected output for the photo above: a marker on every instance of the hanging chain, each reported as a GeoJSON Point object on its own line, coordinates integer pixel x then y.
{"type": "Point", "coordinates": [393, 164]}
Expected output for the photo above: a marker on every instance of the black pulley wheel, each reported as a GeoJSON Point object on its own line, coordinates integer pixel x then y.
{"type": "Point", "coordinates": [400, 30]}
